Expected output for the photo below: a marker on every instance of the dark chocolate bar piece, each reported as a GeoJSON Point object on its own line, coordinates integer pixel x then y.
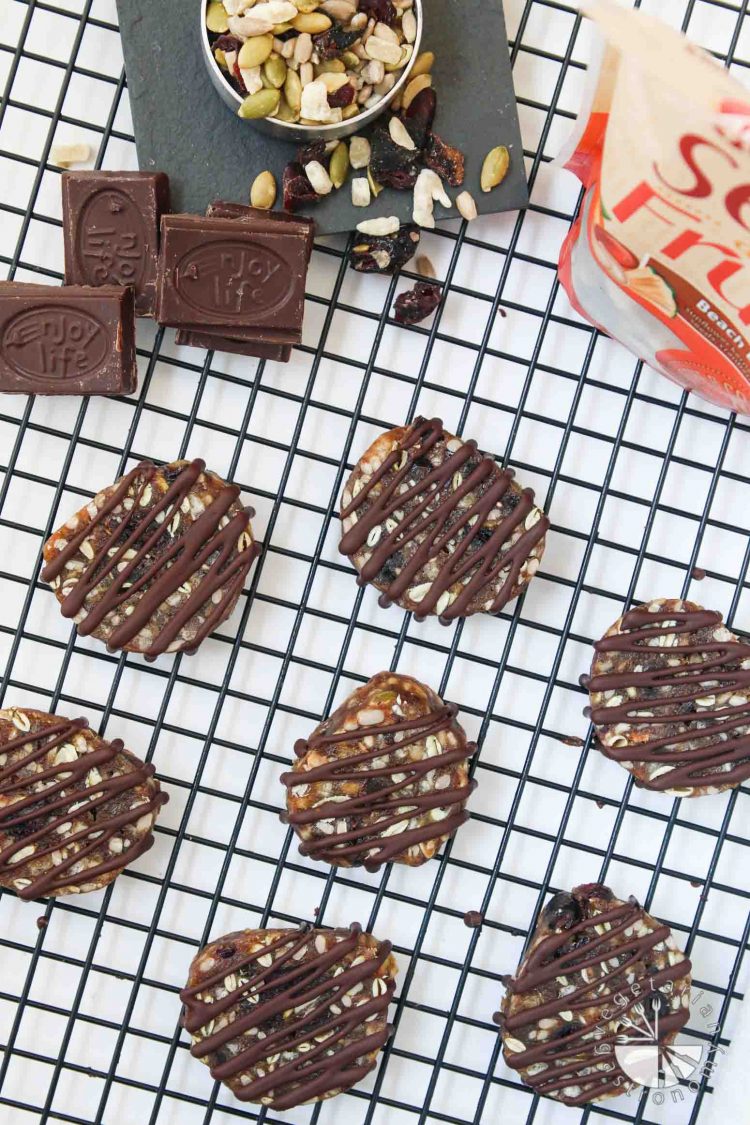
{"type": "Point", "coordinates": [222, 209]}
{"type": "Point", "coordinates": [67, 340]}
{"type": "Point", "coordinates": [233, 276]}
{"type": "Point", "coordinates": [189, 338]}
{"type": "Point", "coordinates": [111, 230]}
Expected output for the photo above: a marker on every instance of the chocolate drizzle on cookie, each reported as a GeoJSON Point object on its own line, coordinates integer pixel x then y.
{"type": "Point", "coordinates": [296, 996]}
{"type": "Point", "coordinates": [139, 562]}
{"type": "Point", "coordinates": [39, 815]}
{"type": "Point", "coordinates": [678, 697]}
{"type": "Point", "coordinates": [430, 513]}
{"type": "Point", "coordinates": [383, 791]}
{"type": "Point", "coordinates": [580, 1056]}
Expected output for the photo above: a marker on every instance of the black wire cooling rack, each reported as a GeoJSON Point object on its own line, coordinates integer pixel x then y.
{"type": "Point", "coordinates": [643, 484]}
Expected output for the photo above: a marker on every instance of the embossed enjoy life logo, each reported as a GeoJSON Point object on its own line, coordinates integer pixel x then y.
{"type": "Point", "coordinates": [111, 237]}
{"type": "Point", "coordinates": [54, 343]}
{"type": "Point", "coordinates": [233, 279]}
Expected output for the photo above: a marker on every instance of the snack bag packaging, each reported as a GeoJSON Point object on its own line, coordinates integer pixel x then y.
{"type": "Point", "coordinates": [658, 258]}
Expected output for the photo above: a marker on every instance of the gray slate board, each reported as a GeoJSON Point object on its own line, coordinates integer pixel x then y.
{"type": "Point", "coordinates": [184, 129]}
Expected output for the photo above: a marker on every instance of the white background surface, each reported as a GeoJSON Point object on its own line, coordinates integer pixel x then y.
{"type": "Point", "coordinates": [627, 467]}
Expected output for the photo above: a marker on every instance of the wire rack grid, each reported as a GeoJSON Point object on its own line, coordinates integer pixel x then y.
{"type": "Point", "coordinates": [648, 492]}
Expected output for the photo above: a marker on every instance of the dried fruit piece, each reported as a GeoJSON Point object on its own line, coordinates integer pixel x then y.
{"type": "Point", "coordinates": [495, 167]}
{"type": "Point", "coordinates": [344, 96]}
{"type": "Point", "coordinates": [386, 255]}
{"type": "Point", "coordinates": [419, 115]}
{"type": "Point", "coordinates": [297, 189]}
{"type": "Point", "coordinates": [444, 159]}
{"type": "Point", "coordinates": [390, 164]}
{"type": "Point", "coordinates": [415, 305]}
{"type": "Point", "coordinates": [316, 150]}
{"type": "Point", "coordinates": [383, 11]}
{"type": "Point", "coordinates": [263, 191]}
{"type": "Point", "coordinates": [331, 44]}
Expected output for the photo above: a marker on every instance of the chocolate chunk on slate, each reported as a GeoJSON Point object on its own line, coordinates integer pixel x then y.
{"type": "Point", "coordinates": [67, 340]}
{"type": "Point", "coordinates": [235, 276]}
{"type": "Point", "coordinates": [111, 230]}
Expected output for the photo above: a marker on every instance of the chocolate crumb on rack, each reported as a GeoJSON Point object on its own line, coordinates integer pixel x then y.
{"type": "Point", "coordinates": [597, 972]}
{"type": "Point", "coordinates": [155, 561]}
{"type": "Point", "coordinates": [670, 699]}
{"type": "Point", "coordinates": [286, 1017]}
{"type": "Point", "coordinates": [74, 809]}
{"type": "Point", "coordinates": [439, 528]}
{"type": "Point", "coordinates": [384, 779]}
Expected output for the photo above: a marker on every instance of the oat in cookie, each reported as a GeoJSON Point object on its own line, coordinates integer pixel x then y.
{"type": "Point", "coordinates": [670, 699]}
{"type": "Point", "coordinates": [437, 527]}
{"type": "Point", "coordinates": [384, 779]}
{"type": "Point", "coordinates": [285, 1017]}
{"type": "Point", "coordinates": [597, 969]}
{"type": "Point", "coordinates": [74, 809]}
{"type": "Point", "coordinates": [155, 561]}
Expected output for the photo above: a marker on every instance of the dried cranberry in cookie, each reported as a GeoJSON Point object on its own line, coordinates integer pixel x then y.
{"type": "Point", "coordinates": [438, 527]}
{"type": "Point", "coordinates": [286, 1017]}
{"type": "Point", "coordinates": [670, 699]}
{"type": "Point", "coordinates": [74, 809]}
{"type": "Point", "coordinates": [156, 561]}
{"type": "Point", "coordinates": [384, 779]}
{"type": "Point", "coordinates": [596, 971]}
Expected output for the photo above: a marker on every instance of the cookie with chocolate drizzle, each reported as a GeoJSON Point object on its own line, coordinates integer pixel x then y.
{"type": "Point", "coordinates": [598, 972]}
{"type": "Point", "coordinates": [384, 779]}
{"type": "Point", "coordinates": [156, 561]}
{"type": "Point", "coordinates": [74, 809]}
{"type": "Point", "coordinates": [670, 699]}
{"type": "Point", "coordinates": [285, 1017]}
{"type": "Point", "coordinates": [439, 528]}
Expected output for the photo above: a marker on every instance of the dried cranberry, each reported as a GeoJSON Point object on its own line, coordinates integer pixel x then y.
{"type": "Point", "coordinates": [227, 43]}
{"type": "Point", "coordinates": [418, 118]}
{"type": "Point", "coordinates": [316, 150]}
{"type": "Point", "coordinates": [298, 190]}
{"type": "Point", "coordinates": [387, 253]}
{"type": "Point", "coordinates": [345, 95]}
{"type": "Point", "coordinates": [418, 303]}
{"type": "Point", "coordinates": [561, 912]}
{"type": "Point", "coordinates": [392, 165]}
{"type": "Point", "coordinates": [383, 11]}
{"type": "Point", "coordinates": [447, 161]}
{"type": "Point", "coordinates": [331, 44]}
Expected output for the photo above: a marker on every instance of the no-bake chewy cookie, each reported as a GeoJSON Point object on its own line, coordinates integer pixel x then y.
{"type": "Point", "coordinates": [156, 561]}
{"type": "Point", "coordinates": [670, 699]}
{"type": "Point", "coordinates": [439, 528]}
{"type": "Point", "coordinates": [74, 809]}
{"type": "Point", "coordinates": [285, 1017]}
{"type": "Point", "coordinates": [385, 778]}
{"type": "Point", "coordinates": [597, 968]}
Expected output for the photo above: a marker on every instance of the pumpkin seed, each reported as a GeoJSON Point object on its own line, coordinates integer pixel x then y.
{"type": "Point", "coordinates": [416, 86]}
{"type": "Point", "coordinates": [423, 64]}
{"type": "Point", "coordinates": [274, 69]}
{"type": "Point", "coordinates": [217, 20]}
{"type": "Point", "coordinates": [313, 22]}
{"type": "Point", "coordinates": [495, 167]}
{"type": "Point", "coordinates": [293, 91]}
{"type": "Point", "coordinates": [338, 169]}
{"type": "Point", "coordinates": [255, 51]}
{"type": "Point", "coordinates": [262, 104]}
{"type": "Point", "coordinates": [263, 191]}
{"type": "Point", "coordinates": [375, 187]}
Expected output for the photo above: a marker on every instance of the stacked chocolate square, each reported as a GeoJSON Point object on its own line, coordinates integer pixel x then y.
{"type": "Point", "coordinates": [232, 280]}
{"type": "Point", "coordinates": [235, 280]}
